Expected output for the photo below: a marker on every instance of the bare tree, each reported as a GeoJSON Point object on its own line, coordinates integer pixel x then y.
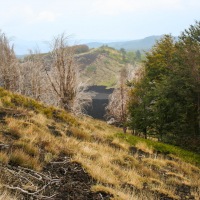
{"type": "Point", "coordinates": [52, 78]}
{"type": "Point", "coordinates": [63, 74]}
{"type": "Point", "coordinates": [32, 79]}
{"type": "Point", "coordinates": [8, 64]}
{"type": "Point", "coordinates": [117, 106]}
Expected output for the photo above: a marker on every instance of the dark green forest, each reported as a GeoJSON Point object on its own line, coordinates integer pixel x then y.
{"type": "Point", "coordinates": [165, 99]}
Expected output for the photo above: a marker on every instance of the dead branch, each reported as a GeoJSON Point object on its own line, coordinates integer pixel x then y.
{"type": "Point", "coordinates": [35, 194]}
{"type": "Point", "coordinates": [36, 180]}
{"type": "Point", "coordinates": [4, 146]}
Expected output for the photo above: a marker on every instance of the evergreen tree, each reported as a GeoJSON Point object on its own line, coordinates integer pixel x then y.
{"type": "Point", "coordinates": [138, 56]}
{"type": "Point", "coordinates": [166, 100]}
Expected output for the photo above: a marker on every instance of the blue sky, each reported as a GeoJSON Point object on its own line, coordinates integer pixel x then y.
{"type": "Point", "coordinates": [96, 19]}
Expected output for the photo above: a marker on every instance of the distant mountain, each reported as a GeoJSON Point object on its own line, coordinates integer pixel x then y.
{"type": "Point", "coordinates": [22, 47]}
{"type": "Point", "coordinates": [96, 44]}
{"type": "Point", "coordinates": [142, 44]}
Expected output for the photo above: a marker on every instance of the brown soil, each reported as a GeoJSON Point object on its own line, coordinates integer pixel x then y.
{"type": "Point", "coordinates": [75, 182]}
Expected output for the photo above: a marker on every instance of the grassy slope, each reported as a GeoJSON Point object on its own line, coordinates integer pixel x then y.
{"type": "Point", "coordinates": [166, 149]}
{"type": "Point", "coordinates": [39, 134]}
{"type": "Point", "coordinates": [101, 66]}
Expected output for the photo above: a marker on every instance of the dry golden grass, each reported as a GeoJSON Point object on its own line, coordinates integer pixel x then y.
{"type": "Point", "coordinates": [103, 156]}
{"type": "Point", "coordinates": [1, 104]}
{"type": "Point", "coordinates": [173, 181]}
{"type": "Point", "coordinates": [20, 158]}
{"type": "Point", "coordinates": [104, 129]}
{"type": "Point", "coordinates": [168, 191]}
{"type": "Point", "coordinates": [143, 146]}
{"type": "Point", "coordinates": [120, 144]}
{"type": "Point", "coordinates": [196, 192]}
{"type": "Point", "coordinates": [4, 159]}
{"type": "Point", "coordinates": [155, 163]}
{"type": "Point", "coordinates": [125, 193]}
{"type": "Point", "coordinates": [79, 133]}
{"type": "Point", "coordinates": [6, 100]}
{"type": "Point", "coordinates": [6, 196]}
{"type": "Point", "coordinates": [107, 159]}
{"type": "Point", "coordinates": [14, 127]}
{"type": "Point", "coordinates": [28, 148]}
{"type": "Point", "coordinates": [39, 119]}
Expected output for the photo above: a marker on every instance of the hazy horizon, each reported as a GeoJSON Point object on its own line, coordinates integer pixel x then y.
{"type": "Point", "coordinates": [96, 19]}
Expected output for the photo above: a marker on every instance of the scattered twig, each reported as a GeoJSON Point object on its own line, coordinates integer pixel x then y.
{"type": "Point", "coordinates": [4, 146]}
{"type": "Point", "coordinates": [36, 180]}
{"type": "Point", "coordinates": [35, 194]}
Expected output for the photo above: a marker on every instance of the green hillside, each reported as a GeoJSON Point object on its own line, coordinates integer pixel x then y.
{"type": "Point", "coordinates": [47, 153]}
{"type": "Point", "coordinates": [101, 66]}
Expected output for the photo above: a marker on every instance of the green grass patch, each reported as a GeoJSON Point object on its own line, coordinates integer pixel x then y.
{"type": "Point", "coordinates": [109, 83]}
{"type": "Point", "coordinates": [12, 100]}
{"type": "Point", "coordinates": [91, 68]}
{"type": "Point", "coordinates": [185, 155]}
{"type": "Point", "coordinates": [106, 62]}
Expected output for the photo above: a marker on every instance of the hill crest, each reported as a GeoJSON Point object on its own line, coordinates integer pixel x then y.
{"type": "Point", "coordinates": [131, 45]}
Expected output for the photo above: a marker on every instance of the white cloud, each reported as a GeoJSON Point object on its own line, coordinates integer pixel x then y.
{"type": "Point", "coordinates": [110, 7]}
{"type": "Point", "coordinates": [16, 13]}
{"type": "Point", "coordinates": [46, 16]}
{"type": "Point", "coordinates": [114, 7]}
{"type": "Point", "coordinates": [26, 14]}
{"type": "Point", "coordinates": [193, 3]}
{"type": "Point", "coordinates": [88, 18]}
